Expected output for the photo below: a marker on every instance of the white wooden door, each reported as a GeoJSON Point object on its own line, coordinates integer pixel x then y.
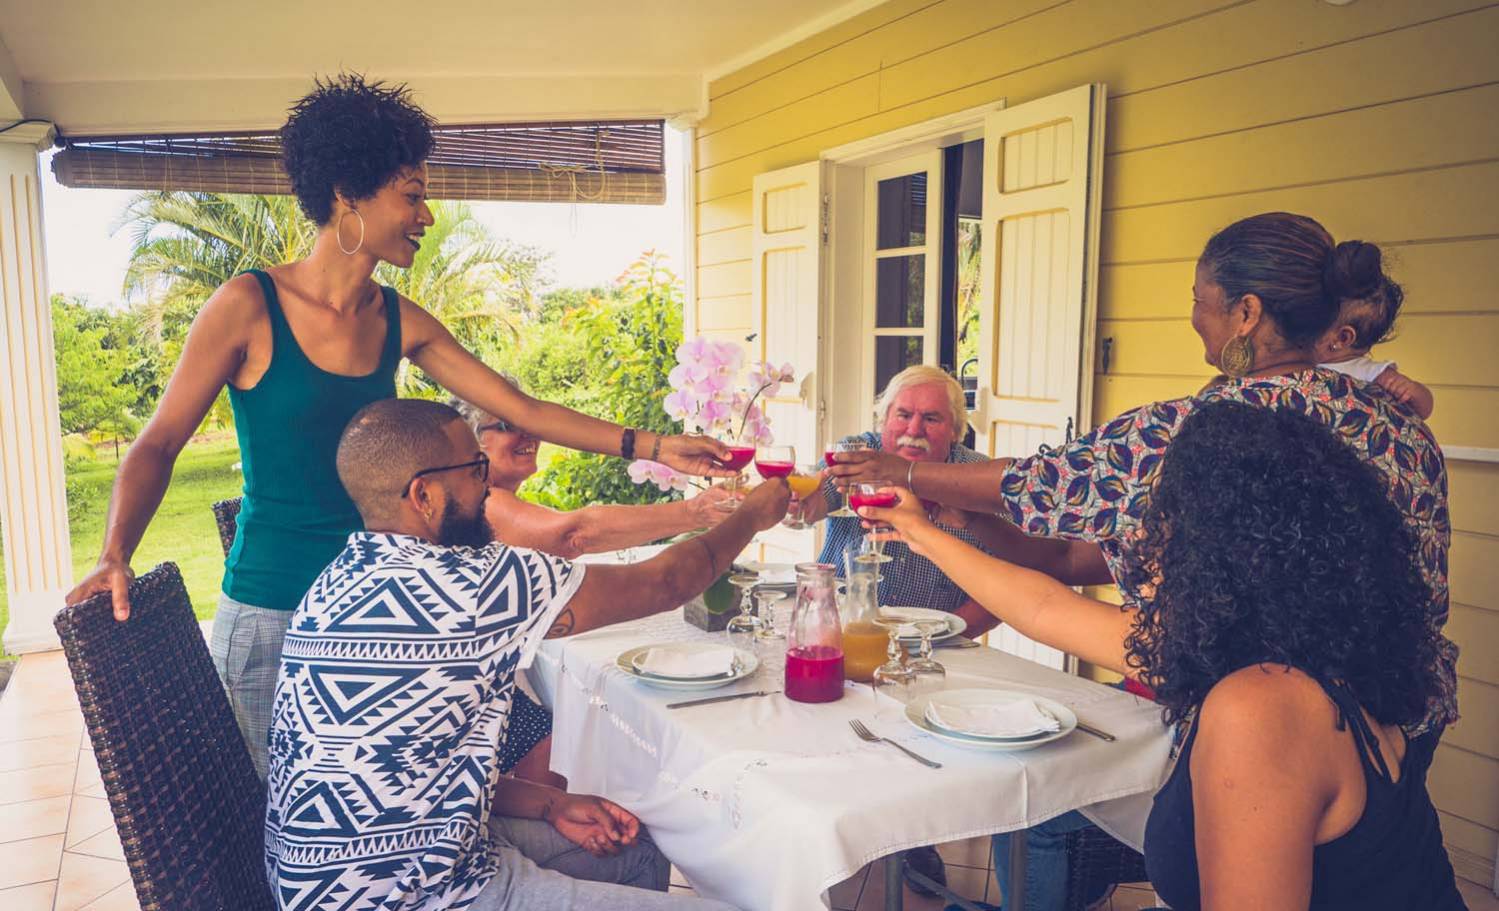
{"type": "Point", "coordinates": [1043, 166]}
{"type": "Point", "coordinates": [789, 211]}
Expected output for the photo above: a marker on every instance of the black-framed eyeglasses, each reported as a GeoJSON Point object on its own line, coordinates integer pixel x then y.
{"type": "Point", "coordinates": [479, 465]}
{"type": "Point", "coordinates": [498, 426]}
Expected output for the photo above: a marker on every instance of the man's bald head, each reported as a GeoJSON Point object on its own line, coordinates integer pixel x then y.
{"type": "Point", "coordinates": [385, 444]}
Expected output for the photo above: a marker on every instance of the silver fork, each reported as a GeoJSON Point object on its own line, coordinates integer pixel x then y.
{"type": "Point", "coordinates": [868, 736]}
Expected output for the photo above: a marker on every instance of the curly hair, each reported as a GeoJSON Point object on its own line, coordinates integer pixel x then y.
{"type": "Point", "coordinates": [351, 137]}
{"type": "Point", "coordinates": [1268, 540]}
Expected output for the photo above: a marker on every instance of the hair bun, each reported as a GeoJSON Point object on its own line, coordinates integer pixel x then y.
{"type": "Point", "coordinates": [1354, 269]}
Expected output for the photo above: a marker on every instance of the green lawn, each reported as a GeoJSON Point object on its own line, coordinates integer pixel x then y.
{"type": "Point", "coordinates": [183, 530]}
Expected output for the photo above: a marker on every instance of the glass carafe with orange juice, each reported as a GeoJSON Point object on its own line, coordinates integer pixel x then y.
{"type": "Point", "coordinates": [864, 642]}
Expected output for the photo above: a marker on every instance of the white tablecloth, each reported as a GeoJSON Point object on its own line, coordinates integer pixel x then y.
{"type": "Point", "coordinates": [766, 803]}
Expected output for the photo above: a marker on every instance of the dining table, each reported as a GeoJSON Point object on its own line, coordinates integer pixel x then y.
{"type": "Point", "coordinates": [766, 803]}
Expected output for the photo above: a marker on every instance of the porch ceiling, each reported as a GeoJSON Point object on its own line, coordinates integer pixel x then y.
{"type": "Point", "coordinates": [95, 66]}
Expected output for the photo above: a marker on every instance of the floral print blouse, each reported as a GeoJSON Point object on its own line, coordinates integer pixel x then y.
{"type": "Point", "coordinates": [1096, 487]}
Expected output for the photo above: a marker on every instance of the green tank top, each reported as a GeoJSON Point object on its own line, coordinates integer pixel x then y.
{"type": "Point", "coordinates": [295, 516]}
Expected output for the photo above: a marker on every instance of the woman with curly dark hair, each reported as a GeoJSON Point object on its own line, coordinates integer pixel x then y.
{"type": "Point", "coordinates": [1278, 628]}
{"type": "Point", "coordinates": [302, 347]}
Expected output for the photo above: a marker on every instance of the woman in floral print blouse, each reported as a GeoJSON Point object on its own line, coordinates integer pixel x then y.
{"type": "Point", "coordinates": [1266, 287]}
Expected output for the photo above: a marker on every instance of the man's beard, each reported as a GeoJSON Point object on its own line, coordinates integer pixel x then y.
{"type": "Point", "coordinates": [464, 531]}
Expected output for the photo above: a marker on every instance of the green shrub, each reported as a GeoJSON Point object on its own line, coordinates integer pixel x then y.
{"type": "Point", "coordinates": [609, 357]}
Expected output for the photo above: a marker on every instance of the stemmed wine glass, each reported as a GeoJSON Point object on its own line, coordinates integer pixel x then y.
{"type": "Point", "coordinates": [743, 627]}
{"type": "Point", "coordinates": [853, 445]}
{"type": "Point", "coordinates": [927, 673]}
{"type": "Point", "coordinates": [804, 482]}
{"type": "Point", "coordinates": [740, 456]}
{"type": "Point", "coordinates": [775, 461]}
{"type": "Point", "coordinates": [869, 493]}
{"type": "Point", "coordinates": [769, 637]}
{"type": "Point", "coordinates": [893, 678]}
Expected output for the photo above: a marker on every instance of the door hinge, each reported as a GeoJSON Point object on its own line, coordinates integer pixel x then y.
{"type": "Point", "coordinates": [827, 217]}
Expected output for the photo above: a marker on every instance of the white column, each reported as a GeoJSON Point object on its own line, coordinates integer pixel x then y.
{"type": "Point", "coordinates": [33, 507]}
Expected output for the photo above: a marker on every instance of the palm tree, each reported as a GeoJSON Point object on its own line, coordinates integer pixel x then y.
{"type": "Point", "coordinates": [184, 245]}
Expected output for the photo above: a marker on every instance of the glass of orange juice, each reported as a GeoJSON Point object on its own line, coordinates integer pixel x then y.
{"type": "Point", "coordinates": [804, 482]}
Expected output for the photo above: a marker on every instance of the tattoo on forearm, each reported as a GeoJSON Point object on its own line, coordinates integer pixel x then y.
{"type": "Point", "coordinates": [563, 625]}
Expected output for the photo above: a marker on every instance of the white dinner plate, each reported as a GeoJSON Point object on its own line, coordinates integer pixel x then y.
{"type": "Point", "coordinates": [684, 648]}
{"type": "Point", "coordinates": [982, 696]}
{"type": "Point", "coordinates": [916, 715]}
{"type": "Point", "coordinates": [955, 624]}
{"type": "Point", "coordinates": [745, 664]}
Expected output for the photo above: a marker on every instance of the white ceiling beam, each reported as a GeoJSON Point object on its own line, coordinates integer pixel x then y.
{"type": "Point", "coordinates": [179, 106]}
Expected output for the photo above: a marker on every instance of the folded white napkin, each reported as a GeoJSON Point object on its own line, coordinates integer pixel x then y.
{"type": "Point", "coordinates": [1016, 718]}
{"type": "Point", "coordinates": [691, 661]}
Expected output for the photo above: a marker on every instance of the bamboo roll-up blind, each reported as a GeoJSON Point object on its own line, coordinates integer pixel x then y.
{"type": "Point", "coordinates": [614, 162]}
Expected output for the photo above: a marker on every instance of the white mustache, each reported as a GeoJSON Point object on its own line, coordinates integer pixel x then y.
{"type": "Point", "coordinates": [913, 443]}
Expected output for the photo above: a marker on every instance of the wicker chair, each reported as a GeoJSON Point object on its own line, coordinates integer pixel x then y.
{"type": "Point", "coordinates": [187, 803]}
{"type": "Point", "coordinates": [226, 514]}
{"type": "Point", "coordinates": [1095, 861]}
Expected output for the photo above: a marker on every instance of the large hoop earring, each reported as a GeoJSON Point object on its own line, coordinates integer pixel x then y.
{"type": "Point", "coordinates": [1237, 357]}
{"type": "Point", "coordinates": [338, 232]}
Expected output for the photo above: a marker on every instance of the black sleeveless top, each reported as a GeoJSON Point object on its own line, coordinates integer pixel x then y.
{"type": "Point", "coordinates": [1391, 860]}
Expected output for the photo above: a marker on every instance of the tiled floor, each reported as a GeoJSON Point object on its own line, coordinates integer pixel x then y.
{"type": "Point", "coordinates": [60, 850]}
{"type": "Point", "coordinates": [56, 831]}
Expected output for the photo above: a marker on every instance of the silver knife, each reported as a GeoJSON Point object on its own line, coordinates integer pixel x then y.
{"type": "Point", "coordinates": [680, 705]}
{"type": "Point", "coordinates": [1089, 729]}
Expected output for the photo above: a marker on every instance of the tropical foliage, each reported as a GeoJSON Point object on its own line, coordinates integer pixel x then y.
{"type": "Point", "coordinates": [608, 356]}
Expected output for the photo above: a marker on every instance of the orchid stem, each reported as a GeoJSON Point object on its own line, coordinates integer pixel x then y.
{"type": "Point", "coordinates": [744, 418]}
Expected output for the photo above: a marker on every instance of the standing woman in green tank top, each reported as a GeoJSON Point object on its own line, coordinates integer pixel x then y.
{"type": "Point", "coordinates": [302, 347]}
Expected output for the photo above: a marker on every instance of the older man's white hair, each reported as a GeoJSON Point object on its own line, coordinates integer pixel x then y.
{"type": "Point", "coordinates": [921, 375]}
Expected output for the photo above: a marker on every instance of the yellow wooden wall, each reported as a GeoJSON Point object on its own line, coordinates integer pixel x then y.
{"type": "Point", "coordinates": [1380, 118]}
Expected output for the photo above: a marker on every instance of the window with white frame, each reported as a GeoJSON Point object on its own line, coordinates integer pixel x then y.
{"type": "Point", "coordinates": [903, 199]}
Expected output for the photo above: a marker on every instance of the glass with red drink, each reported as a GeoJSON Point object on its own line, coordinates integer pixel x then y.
{"type": "Point", "coordinates": [775, 461]}
{"type": "Point", "coordinates": [852, 444]}
{"type": "Point", "coordinates": [740, 455]}
{"type": "Point", "coordinates": [876, 494]}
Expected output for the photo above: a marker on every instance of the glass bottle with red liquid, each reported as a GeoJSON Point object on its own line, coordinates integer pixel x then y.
{"type": "Point", "coordinates": [814, 645]}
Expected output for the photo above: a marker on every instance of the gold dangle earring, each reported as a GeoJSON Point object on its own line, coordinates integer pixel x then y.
{"type": "Point", "coordinates": [338, 232]}
{"type": "Point", "coordinates": [1237, 357]}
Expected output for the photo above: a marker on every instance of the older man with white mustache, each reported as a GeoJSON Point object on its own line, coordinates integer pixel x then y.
{"type": "Point", "coordinates": [921, 415]}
